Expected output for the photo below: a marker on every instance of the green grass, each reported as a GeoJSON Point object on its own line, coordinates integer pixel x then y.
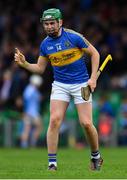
{"type": "Point", "coordinates": [72, 164]}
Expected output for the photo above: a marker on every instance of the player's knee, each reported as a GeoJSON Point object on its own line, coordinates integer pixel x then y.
{"type": "Point", "coordinates": [55, 121]}
{"type": "Point", "coordinates": [86, 124]}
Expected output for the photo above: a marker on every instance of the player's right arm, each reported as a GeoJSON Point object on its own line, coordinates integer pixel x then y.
{"type": "Point", "coordinates": [39, 67]}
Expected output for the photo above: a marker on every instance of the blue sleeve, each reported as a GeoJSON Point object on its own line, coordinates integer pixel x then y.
{"type": "Point", "coordinates": [42, 50]}
{"type": "Point", "coordinates": [79, 40]}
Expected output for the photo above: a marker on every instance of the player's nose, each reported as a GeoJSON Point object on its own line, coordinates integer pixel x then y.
{"type": "Point", "coordinates": [49, 26]}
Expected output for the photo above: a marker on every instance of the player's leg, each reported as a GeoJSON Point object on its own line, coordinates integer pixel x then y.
{"type": "Point", "coordinates": [85, 117]}
{"type": "Point", "coordinates": [57, 112]}
{"type": "Point", "coordinates": [59, 101]}
{"type": "Point", "coordinates": [84, 109]}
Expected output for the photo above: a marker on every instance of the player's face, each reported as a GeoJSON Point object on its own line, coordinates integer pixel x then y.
{"type": "Point", "coordinates": [52, 27]}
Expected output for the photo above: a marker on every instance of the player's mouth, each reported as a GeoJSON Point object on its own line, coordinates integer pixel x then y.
{"type": "Point", "coordinates": [51, 33]}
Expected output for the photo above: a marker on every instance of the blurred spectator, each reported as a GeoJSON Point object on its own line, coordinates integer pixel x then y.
{"type": "Point", "coordinates": [5, 88]}
{"type": "Point", "coordinates": [106, 120]}
{"type": "Point", "coordinates": [122, 125]}
{"type": "Point", "coordinates": [32, 123]}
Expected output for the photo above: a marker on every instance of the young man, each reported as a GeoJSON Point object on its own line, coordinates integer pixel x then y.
{"type": "Point", "coordinates": [65, 50]}
{"type": "Point", "coordinates": [31, 112]}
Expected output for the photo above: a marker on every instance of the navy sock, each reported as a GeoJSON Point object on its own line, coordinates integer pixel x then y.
{"type": "Point", "coordinates": [95, 155]}
{"type": "Point", "coordinates": [52, 159]}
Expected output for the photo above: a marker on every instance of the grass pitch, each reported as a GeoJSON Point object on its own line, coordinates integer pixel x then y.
{"type": "Point", "coordinates": [72, 164]}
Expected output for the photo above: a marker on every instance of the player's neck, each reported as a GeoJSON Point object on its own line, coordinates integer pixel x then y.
{"type": "Point", "coordinates": [60, 32]}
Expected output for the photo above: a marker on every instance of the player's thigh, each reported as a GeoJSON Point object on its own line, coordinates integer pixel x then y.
{"type": "Point", "coordinates": [76, 93]}
{"type": "Point", "coordinates": [60, 92]}
{"type": "Point", "coordinates": [58, 109]}
{"type": "Point", "coordinates": [85, 112]}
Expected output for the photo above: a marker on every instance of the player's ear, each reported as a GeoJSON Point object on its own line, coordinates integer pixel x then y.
{"type": "Point", "coordinates": [60, 22]}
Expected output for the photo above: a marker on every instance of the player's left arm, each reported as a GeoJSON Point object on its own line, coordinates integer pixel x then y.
{"type": "Point", "coordinates": [95, 60]}
{"type": "Point", "coordinates": [88, 48]}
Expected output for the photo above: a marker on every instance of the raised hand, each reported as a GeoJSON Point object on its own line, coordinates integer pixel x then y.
{"type": "Point", "coordinates": [19, 58]}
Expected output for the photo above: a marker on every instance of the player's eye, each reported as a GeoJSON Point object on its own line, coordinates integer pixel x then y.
{"type": "Point", "coordinates": [52, 23]}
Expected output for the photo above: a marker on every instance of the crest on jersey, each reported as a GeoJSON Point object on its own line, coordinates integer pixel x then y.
{"type": "Point", "coordinates": [67, 44]}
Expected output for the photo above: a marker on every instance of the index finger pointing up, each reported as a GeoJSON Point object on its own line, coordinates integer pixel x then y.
{"type": "Point", "coordinates": [17, 51]}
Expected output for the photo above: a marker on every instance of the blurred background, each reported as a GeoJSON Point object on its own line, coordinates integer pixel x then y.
{"type": "Point", "coordinates": [104, 24]}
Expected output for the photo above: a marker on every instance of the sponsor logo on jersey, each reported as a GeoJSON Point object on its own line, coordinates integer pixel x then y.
{"type": "Point", "coordinates": [65, 57]}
